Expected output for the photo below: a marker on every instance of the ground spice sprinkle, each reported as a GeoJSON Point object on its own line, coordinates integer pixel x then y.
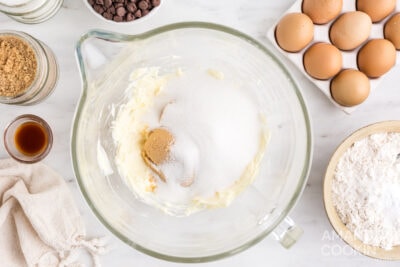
{"type": "Point", "coordinates": [18, 66]}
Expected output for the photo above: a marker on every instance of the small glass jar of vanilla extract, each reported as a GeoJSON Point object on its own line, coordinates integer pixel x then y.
{"type": "Point", "coordinates": [28, 138]}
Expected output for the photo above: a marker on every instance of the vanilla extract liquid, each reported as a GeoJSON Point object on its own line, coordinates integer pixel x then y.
{"type": "Point", "coordinates": [31, 138]}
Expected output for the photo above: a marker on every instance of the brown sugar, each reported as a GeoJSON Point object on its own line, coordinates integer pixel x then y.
{"type": "Point", "coordinates": [156, 149]}
{"type": "Point", "coordinates": [18, 66]}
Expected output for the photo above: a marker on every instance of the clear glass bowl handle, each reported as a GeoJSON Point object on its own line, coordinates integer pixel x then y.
{"type": "Point", "coordinates": [287, 233]}
{"type": "Point", "coordinates": [98, 52]}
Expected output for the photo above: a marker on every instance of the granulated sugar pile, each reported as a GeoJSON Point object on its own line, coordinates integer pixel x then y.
{"type": "Point", "coordinates": [366, 189]}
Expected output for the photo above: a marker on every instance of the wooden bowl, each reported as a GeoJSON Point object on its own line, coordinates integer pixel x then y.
{"type": "Point", "coordinates": [337, 224]}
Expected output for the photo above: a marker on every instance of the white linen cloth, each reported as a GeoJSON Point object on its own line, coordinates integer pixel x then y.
{"type": "Point", "coordinates": [40, 224]}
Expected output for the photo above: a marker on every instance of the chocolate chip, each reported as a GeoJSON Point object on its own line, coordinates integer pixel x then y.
{"type": "Point", "coordinates": [121, 11]}
{"type": "Point", "coordinates": [118, 18]}
{"type": "Point", "coordinates": [138, 13]}
{"type": "Point", "coordinates": [143, 5]}
{"type": "Point", "coordinates": [100, 2]}
{"type": "Point", "coordinates": [107, 3]}
{"type": "Point", "coordinates": [130, 17]}
{"type": "Point", "coordinates": [112, 10]}
{"type": "Point", "coordinates": [91, 2]}
{"type": "Point", "coordinates": [107, 15]}
{"type": "Point", "coordinates": [117, 5]}
{"type": "Point", "coordinates": [98, 8]}
{"type": "Point", "coordinates": [131, 7]}
{"type": "Point", "coordinates": [155, 2]}
{"type": "Point", "coordinates": [145, 12]}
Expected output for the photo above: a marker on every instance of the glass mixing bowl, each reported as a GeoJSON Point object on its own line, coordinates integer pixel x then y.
{"type": "Point", "coordinates": [107, 59]}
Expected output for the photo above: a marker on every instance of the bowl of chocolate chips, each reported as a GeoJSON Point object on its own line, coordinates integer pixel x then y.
{"type": "Point", "coordinates": [122, 11]}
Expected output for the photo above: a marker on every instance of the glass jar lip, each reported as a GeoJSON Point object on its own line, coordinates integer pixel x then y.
{"type": "Point", "coordinates": [31, 11]}
{"type": "Point", "coordinates": [38, 51]}
{"type": "Point", "coordinates": [16, 5]}
{"type": "Point", "coordinates": [119, 37]}
{"type": "Point", "coordinates": [42, 122]}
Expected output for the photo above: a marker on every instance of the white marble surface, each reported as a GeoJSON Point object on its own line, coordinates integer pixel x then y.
{"type": "Point", "coordinates": [318, 246]}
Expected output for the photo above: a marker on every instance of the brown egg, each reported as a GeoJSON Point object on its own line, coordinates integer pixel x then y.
{"type": "Point", "coordinates": [392, 30]}
{"type": "Point", "coordinates": [376, 57]}
{"type": "Point", "coordinates": [350, 30]}
{"type": "Point", "coordinates": [294, 32]}
{"type": "Point", "coordinates": [350, 88]}
{"type": "Point", "coordinates": [322, 61]}
{"type": "Point", "coordinates": [377, 10]}
{"type": "Point", "coordinates": [322, 11]}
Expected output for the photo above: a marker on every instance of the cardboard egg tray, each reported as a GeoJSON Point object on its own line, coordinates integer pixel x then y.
{"type": "Point", "coordinates": [321, 34]}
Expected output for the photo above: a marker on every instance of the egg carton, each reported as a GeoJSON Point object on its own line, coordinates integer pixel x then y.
{"type": "Point", "coordinates": [321, 34]}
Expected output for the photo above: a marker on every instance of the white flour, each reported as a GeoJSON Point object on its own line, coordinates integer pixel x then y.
{"type": "Point", "coordinates": [366, 190]}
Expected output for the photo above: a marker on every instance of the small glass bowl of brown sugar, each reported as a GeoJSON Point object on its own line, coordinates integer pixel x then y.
{"type": "Point", "coordinates": [28, 69]}
{"type": "Point", "coordinates": [28, 138]}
